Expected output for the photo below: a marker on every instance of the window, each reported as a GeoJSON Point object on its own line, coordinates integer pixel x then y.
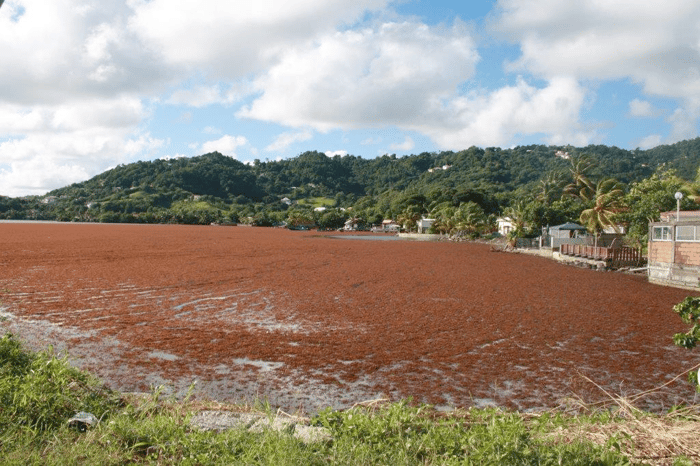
{"type": "Point", "coordinates": [687, 233]}
{"type": "Point", "coordinates": [661, 234]}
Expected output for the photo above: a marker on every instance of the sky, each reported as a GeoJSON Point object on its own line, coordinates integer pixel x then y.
{"type": "Point", "coordinates": [87, 85]}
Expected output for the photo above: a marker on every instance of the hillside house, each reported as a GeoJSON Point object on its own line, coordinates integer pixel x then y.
{"type": "Point", "coordinates": [674, 250]}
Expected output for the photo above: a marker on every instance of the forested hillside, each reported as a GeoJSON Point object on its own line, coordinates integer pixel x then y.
{"type": "Point", "coordinates": [477, 182]}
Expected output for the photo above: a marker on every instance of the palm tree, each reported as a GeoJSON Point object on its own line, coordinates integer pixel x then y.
{"type": "Point", "coordinates": [469, 218]}
{"type": "Point", "coordinates": [443, 214]}
{"type": "Point", "coordinates": [608, 201]}
{"type": "Point", "coordinates": [410, 216]}
{"type": "Point", "coordinates": [581, 186]}
{"type": "Point", "coordinates": [516, 212]}
{"type": "Point", "coordinates": [549, 188]}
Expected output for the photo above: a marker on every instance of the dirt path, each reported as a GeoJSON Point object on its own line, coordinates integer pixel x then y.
{"type": "Point", "coordinates": [309, 321]}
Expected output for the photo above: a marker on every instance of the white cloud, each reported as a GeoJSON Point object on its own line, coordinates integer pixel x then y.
{"type": "Point", "coordinates": [650, 141]}
{"type": "Point", "coordinates": [57, 50]}
{"type": "Point", "coordinates": [237, 38]}
{"type": "Point", "coordinates": [226, 145]}
{"type": "Point", "coordinates": [498, 117]}
{"type": "Point", "coordinates": [199, 96]}
{"type": "Point", "coordinates": [31, 176]}
{"type": "Point", "coordinates": [407, 75]}
{"type": "Point", "coordinates": [641, 108]}
{"type": "Point", "coordinates": [50, 146]}
{"type": "Point", "coordinates": [69, 92]}
{"type": "Point", "coordinates": [203, 95]}
{"type": "Point", "coordinates": [371, 141]}
{"type": "Point", "coordinates": [653, 44]}
{"type": "Point", "coordinates": [684, 124]}
{"type": "Point", "coordinates": [405, 146]}
{"type": "Point", "coordinates": [80, 76]}
{"type": "Point", "coordinates": [43, 161]}
{"type": "Point", "coordinates": [285, 140]}
{"type": "Point", "coordinates": [391, 75]}
{"type": "Point", "coordinates": [333, 153]}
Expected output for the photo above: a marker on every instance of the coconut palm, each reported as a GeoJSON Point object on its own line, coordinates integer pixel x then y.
{"type": "Point", "coordinates": [516, 213]}
{"type": "Point", "coordinates": [410, 216]}
{"type": "Point", "coordinates": [443, 214]}
{"type": "Point", "coordinates": [469, 218]}
{"type": "Point", "coordinates": [608, 201]}
{"type": "Point", "coordinates": [581, 186]}
{"type": "Point", "coordinates": [549, 188]}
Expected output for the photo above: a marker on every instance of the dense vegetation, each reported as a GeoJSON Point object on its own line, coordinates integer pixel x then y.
{"type": "Point", "coordinates": [535, 185]}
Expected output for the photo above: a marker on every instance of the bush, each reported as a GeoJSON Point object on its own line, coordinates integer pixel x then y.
{"type": "Point", "coordinates": [40, 391]}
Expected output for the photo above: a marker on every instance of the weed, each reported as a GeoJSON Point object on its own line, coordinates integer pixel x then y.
{"type": "Point", "coordinates": [40, 391]}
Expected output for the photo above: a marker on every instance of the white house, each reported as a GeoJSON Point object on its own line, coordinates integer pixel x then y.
{"type": "Point", "coordinates": [424, 224]}
{"type": "Point", "coordinates": [390, 225]}
{"type": "Point", "coordinates": [505, 225]}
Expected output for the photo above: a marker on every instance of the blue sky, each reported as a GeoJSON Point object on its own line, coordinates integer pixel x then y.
{"type": "Point", "coordinates": [90, 84]}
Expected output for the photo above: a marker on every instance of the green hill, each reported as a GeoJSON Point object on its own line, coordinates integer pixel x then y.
{"type": "Point", "coordinates": [215, 188]}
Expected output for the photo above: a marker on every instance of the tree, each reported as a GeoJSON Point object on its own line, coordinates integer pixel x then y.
{"type": "Point", "coordinates": [469, 219]}
{"type": "Point", "coordinates": [331, 219]}
{"type": "Point", "coordinates": [581, 186]}
{"type": "Point", "coordinates": [607, 203]}
{"type": "Point", "coordinates": [689, 312]}
{"type": "Point", "coordinates": [646, 200]}
{"type": "Point", "coordinates": [443, 214]}
{"type": "Point", "coordinates": [410, 216]}
{"type": "Point", "coordinates": [549, 188]}
{"type": "Point", "coordinates": [517, 214]}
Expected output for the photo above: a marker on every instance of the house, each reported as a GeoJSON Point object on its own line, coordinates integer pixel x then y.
{"type": "Point", "coordinates": [505, 225]}
{"type": "Point", "coordinates": [390, 226]}
{"type": "Point", "coordinates": [674, 250]}
{"type": "Point", "coordinates": [354, 224]}
{"type": "Point", "coordinates": [424, 224]}
{"type": "Point", "coordinates": [567, 233]}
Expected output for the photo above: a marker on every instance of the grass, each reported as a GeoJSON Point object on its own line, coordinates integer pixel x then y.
{"type": "Point", "coordinates": [39, 392]}
{"type": "Point", "coordinates": [317, 201]}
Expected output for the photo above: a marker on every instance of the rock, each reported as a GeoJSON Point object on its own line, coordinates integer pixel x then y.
{"type": "Point", "coordinates": [292, 425]}
{"type": "Point", "coordinates": [83, 421]}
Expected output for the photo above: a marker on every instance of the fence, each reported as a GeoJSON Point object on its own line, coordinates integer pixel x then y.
{"type": "Point", "coordinates": [616, 257]}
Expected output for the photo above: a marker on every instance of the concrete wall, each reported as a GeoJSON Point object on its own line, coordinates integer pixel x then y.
{"type": "Point", "coordinates": [682, 276]}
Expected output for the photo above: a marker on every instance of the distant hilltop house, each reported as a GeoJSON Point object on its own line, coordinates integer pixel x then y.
{"type": "Point", "coordinates": [286, 200]}
{"type": "Point", "coordinates": [444, 167]}
{"type": "Point", "coordinates": [563, 155]}
{"type": "Point", "coordinates": [674, 250]}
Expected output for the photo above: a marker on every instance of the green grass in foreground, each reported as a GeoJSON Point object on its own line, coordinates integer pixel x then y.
{"type": "Point", "coordinates": [39, 392]}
